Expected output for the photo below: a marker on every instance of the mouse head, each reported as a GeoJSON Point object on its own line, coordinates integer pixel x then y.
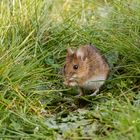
{"type": "Point", "coordinates": [75, 67]}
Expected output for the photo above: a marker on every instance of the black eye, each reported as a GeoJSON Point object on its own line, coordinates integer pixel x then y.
{"type": "Point", "coordinates": [75, 67]}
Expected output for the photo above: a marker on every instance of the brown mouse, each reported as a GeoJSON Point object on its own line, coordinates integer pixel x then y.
{"type": "Point", "coordinates": [85, 68]}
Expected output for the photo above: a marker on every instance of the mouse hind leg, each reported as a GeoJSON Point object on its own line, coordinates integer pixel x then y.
{"type": "Point", "coordinates": [95, 92]}
{"type": "Point", "coordinates": [97, 87]}
{"type": "Point", "coordinates": [81, 92]}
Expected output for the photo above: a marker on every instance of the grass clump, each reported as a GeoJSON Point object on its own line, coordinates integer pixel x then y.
{"type": "Point", "coordinates": [34, 35]}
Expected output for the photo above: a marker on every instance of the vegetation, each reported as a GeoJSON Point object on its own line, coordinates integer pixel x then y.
{"type": "Point", "coordinates": [34, 103]}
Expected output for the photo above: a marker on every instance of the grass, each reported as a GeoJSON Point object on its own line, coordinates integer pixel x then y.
{"type": "Point", "coordinates": [34, 103]}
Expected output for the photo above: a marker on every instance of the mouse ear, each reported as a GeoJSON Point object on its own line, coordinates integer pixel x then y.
{"type": "Point", "coordinates": [69, 54]}
{"type": "Point", "coordinates": [69, 51]}
{"type": "Point", "coordinates": [81, 54]}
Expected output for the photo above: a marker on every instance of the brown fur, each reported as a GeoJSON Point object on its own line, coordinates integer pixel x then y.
{"type": "Point", "coordinates": [90, 63]}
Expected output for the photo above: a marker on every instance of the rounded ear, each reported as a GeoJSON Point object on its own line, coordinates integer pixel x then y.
{"type": "Point", "coordinates": [69, 51]}
{"type": "Point", "coordinates": [69, 54]}
{"type": "Point", "coordinates": [82, 54]}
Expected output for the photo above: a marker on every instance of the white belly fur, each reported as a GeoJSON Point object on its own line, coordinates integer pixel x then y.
{"type": "Point", "coordinates": [95, 82]}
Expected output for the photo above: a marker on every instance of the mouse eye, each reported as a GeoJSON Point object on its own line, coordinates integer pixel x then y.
{"type": "Point", "coordinates": [75, 67]}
